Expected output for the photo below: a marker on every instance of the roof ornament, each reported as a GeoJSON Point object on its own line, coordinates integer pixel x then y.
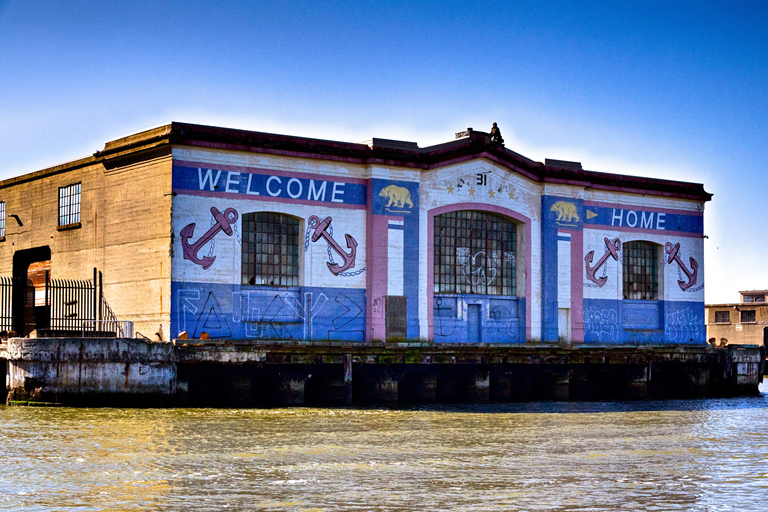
{"type": "Point", "coordinates": [496, 135]}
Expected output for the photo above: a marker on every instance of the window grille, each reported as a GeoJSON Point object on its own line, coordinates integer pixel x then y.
{"type": "Point", "coordinates": [475, 252]}
{"type": "Point", "coordinates": [748, 317]}
{"type": "Point", "coordinates": [270, 249]}
{"type": "Point", "coordinates": [722, 317]}
{"type": "Point", "coordinates": [641, 270]}
{"type": "Point", "coordinates": [69, 204]}
{"type": "Point", "coordinates": [2, 219]}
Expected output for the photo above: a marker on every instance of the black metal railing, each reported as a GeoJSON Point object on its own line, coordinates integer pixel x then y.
{"type": "Point", "coordinates": [6, 303]}
{"type": "Point", "coordinates": [68, 307]}
{"type": "Point", "coordinates": [80, 306]}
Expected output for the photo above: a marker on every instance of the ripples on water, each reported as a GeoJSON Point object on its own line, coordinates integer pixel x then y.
{"type": "Point", "coordinates": [662, 455]}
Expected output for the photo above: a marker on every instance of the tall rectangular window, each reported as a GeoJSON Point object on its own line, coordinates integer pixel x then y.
{"type": "Point", "coordinates": [2, 219]}
{"type": "Point", "coordinates": [270, 249]}
{"type": "Point", "coordinates": [640, 270]}
{"type": "Point", "coordinates": [69, 204]}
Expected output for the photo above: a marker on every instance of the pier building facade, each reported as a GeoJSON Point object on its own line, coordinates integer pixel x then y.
{"type": "Point", "coordinates": [253, 236]}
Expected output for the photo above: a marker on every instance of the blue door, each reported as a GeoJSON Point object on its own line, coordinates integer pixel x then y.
{"type": "Point", "coordinates": [473, 323]}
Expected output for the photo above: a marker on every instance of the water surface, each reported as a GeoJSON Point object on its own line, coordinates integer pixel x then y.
{"type": "Point", "coordinates": [660, 455]}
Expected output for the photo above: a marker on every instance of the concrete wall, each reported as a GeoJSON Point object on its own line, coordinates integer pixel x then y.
{"type": "Point", "coordinates": [73, 370]}
{"type": "Point", "coordinates": [124, 231]}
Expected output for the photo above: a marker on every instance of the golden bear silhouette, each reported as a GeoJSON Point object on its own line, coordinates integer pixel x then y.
{"type": "Point", "coordinates": [565, 211]}
{"type": "Point", "coordinates": [398, 196]}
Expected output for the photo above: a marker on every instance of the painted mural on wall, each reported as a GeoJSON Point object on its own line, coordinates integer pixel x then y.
{"type": "Point", "coordinates": [612, 250]}
{"type": "Point", "coordinates": [637, 218]}
{"type": "Point", "coordinates": [672, 251]}
{"type": "Point", "coordinates": [567, 212]}
{"type": "Point", "coordinates": [398, 199]}
{"type": "Point", "coordinates": [221, 222]}
{"type": "Point", "coordinates": [267, 184]}
{"type": "Point", "coordinates": [207, 294]}
{"type": "Point", "coordinates": [322, 229]}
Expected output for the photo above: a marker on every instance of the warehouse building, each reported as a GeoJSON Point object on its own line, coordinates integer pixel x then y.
{"type": "Point", "coordinates": [244, 235]}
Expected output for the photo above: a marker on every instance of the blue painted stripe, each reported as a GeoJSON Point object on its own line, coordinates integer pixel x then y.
{"type": "Point", "coordinates": [397, 226]}
{"type": "Point", "coordinates": [265, 186]}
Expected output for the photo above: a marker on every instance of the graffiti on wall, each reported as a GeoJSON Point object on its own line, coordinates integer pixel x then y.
{"type": "Point", "coordinates": [685, 284]}
{"type": "Point", "coordinates": [478, 268]}
{"type": "Point", "coordinates": [503, 322]}
{"type": "Point", "coordinates": [612, 248]}
{"type": "Point", "coordinates": [317, 229]}
{"type": "Point", "coordinates": [602, 324]}
{"type": "Point", "coordinates": [221, 222]}
{"type": "Point", "coordinates": [297, 315]}
{"type": "Point", "coordinates": [445, 316]}
{"type": "Point", "coordinates": [683, 326]}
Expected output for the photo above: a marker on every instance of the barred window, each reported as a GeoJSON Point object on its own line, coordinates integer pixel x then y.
{"type": "Point", "coordinates": [475, 252]}
{"type": "Point", "coordinates": [748, 317]}
{"type": "Point", "coordinates": [69, 204]}
{"type": "Point", "coordinates": [2, 218]}
{"type": "Point", "coordinates": [270, 249]}
{"type": "Point", "coordinates": [722, 317]}
{"type": "Point", "coordinates": [641, 270]}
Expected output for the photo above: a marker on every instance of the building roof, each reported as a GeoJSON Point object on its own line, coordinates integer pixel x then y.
{"type": "Point", "coordinates": [472, 145]}
{"type": "Point", "coordinates": [754, 292]}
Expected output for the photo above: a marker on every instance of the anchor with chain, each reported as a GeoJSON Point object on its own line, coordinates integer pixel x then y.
{"type": "Point", "coordinates": [317, 229]}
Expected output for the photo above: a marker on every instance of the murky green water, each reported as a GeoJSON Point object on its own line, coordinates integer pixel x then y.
{"type": "Point", "coordinates": [666, 455]}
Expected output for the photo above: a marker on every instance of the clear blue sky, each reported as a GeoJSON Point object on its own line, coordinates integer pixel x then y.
{"type": "Point", "coordinates": [675, 90]}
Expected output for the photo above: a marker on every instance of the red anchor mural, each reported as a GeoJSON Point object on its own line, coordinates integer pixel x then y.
{"type": "Point", "coordinates": [224, 223]}
{"type": "Point", "coordinates": [672, 251]}
{"type": "Point", "coordinates": [321, 230]}
{"type": "Point", "coordinates": [612, 249]}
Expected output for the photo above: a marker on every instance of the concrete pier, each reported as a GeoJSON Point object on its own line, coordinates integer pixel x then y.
{"type": "Point", "coordinates": [76, 371]}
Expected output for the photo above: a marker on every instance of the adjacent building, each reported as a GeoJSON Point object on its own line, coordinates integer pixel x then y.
{"type": "Point", "coordinates": [254, 236]}
{"type": "Point", "coordinates": [742, 323]}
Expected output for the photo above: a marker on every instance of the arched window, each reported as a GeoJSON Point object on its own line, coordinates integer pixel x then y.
{"type": "Point", "coordinates": [475, 252]}
{"type": "Point", "coordinates": [270, 249]}
{"type": "Point", "coordinates": [641, 270]}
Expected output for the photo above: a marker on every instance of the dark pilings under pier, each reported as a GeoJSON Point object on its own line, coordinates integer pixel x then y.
{"type": "Point", "coordinates": [227, 374]}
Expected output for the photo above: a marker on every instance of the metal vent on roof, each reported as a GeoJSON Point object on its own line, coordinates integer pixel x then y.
{"type": "Point", "coordinates": [375, 143]}
{"type": "Point", "coordinates": [563, 164]}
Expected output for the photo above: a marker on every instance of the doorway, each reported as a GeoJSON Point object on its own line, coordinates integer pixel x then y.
{"type": "Point", "coordinates": [474, 323]}
{"type": "Point", "coordinates": [31, 298]}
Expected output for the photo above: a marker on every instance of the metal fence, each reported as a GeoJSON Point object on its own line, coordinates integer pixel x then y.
{"type": "Point", "coordinates": [6, 303]}
{"type": "Point", "coordinates": [65, 307]}
{"type": "Point", "coordinates": [80, 306]}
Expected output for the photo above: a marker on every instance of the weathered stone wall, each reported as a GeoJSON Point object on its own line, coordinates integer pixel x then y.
{"type": "Point", "coordinates": [76, 370]}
